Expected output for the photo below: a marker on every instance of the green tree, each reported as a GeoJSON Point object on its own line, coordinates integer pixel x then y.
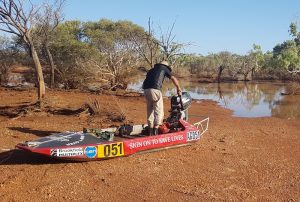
{"type": "Point", "coordinates": [154, 48]}
{"type": "Point", "coordinates": [147, 46]}
{"type": "Point", "coordinates": [294, 32]}
{"type": "Point", "coordinates": [257, 57]}
{"type": "Point", "coordinates": [70, 54]}
{"type": "Point", "coordinates": [224, 60]}
{"type": "Point", "coordinates": [286, 55]}
{"type": "Point", "coordinates": [116, 48]}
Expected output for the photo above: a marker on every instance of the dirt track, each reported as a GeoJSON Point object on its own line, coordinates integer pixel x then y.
{"type": "Point", "coordinates": [238, 159]}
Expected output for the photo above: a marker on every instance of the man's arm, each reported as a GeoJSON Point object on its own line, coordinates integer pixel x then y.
{"type": "Point", "coordinates": [176, 83]}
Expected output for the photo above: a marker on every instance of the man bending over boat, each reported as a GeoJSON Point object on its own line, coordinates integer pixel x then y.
{"type": "Point", "coordinates": [152, 89]}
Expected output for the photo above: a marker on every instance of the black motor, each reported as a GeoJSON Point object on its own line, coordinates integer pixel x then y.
{"type": "Point", "coordinates": [179, 109]}
{"type": "Point", "coordinates": [181, 102]}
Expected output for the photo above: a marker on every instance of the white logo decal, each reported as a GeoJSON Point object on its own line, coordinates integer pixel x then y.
{"type": "Point", "coordinates": [65, 152]}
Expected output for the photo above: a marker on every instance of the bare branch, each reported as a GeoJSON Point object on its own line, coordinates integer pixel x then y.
{"type": "Point", "coordinates": [9, 31]}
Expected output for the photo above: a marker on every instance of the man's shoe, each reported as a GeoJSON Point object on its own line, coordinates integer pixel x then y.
{"type": "Point", "coordinates": [155, 131]}
{"type": "Point", "coordinates": [151, 131]}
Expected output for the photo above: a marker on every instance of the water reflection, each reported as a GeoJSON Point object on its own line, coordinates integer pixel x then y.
{"type": "Point", "coordinates": [245, 99]}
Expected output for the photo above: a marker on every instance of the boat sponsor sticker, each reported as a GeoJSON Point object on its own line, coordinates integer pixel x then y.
{"type": "Point", "coordinates": [111, 150]}
{"type": "Point", "coordinates": [90, 152]}
{"type": "Point", "coordinates": [193, 135]}
{"type": "Point", "coordinates": [67, 152]}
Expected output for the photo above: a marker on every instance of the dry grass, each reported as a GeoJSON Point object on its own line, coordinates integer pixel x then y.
{"type": "Point", "coordinates": [94, 106]}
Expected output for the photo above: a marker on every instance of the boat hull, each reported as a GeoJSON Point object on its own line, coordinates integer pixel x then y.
{"type": "Point", "coordinates": [84, 146]}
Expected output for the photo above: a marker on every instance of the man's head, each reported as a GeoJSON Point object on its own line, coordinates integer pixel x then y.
{"type": "Point", "coordinates": [166, 63]}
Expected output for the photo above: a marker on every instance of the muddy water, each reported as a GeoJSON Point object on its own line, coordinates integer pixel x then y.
{"type": "Point", "coordinates": [252, 99]}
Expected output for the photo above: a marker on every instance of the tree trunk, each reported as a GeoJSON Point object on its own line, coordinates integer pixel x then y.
{"type": "Point", "coordinates": [39, 72]}
{"type": "Point", "coordinates": [220, 91]}
{"type": "Point", "coordinates": [221, 68]}
{"type": "Point", "coordinates": [252, 73]}
{"type": "Point", "coordinates": [50, 58]}
{"type": "Point", "coordinates": [245, 76]}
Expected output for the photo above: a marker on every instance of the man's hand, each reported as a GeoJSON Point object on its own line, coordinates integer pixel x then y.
{"type": "Point", "coordinates": [179, 92]}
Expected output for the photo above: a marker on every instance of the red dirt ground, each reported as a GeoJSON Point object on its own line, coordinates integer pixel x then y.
{"type": "Point", "coordinates": [238, 159]}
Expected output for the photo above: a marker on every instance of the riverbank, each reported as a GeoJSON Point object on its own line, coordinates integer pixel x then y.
{"type": "Point", "coordinates": [237, 159]}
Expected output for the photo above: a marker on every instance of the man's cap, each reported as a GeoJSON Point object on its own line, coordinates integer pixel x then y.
{"type": "Point", "coordinates": [164, 63]}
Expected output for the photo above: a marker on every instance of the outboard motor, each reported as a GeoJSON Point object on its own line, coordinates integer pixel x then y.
{"type": "Point", "coordinates": [181, 104]}
{"type": "Point", "coordinates": [179, 110]}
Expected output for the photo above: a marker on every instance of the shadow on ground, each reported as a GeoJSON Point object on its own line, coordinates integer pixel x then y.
{"type": "Point", "coordinates": [18, 157]}
{"type": "Point", "coordinates": [39, 133]}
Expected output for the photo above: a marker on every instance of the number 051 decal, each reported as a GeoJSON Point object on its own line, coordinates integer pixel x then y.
{"type": "Point", "coordinates": [111, 150]}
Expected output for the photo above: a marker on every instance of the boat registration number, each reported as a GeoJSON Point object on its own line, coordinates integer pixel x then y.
{"type": "Point", "coordinates": [193, 135]}
{"type": "Point", "coordinates": [111, 150]}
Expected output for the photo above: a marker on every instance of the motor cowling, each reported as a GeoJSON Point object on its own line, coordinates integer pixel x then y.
{"type": "Point", "coordinates": [181, 102]}
{"type": "Point", "coordinates": [179, 110]}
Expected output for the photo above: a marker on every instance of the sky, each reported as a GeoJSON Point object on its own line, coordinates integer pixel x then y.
{"type": "Point", "coordinates": [210, 26]}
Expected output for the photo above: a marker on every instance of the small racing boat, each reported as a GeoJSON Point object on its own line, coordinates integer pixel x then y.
{"type": "Point", "coordinates": [96, 144]}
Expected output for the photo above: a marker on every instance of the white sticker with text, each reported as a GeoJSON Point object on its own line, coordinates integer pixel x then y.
{"type": "Point", "coordinates": [193, 135]}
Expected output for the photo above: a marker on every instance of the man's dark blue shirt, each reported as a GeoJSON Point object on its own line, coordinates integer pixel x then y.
{"type": "Point", "coordinates": [155, 76]}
